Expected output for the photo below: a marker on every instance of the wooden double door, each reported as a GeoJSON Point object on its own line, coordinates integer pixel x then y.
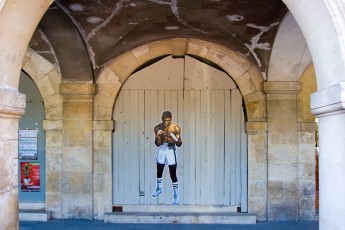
{"type": "Point", "coordinates": [212, 162]}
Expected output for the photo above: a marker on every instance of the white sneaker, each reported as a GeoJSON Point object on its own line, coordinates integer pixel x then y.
{"type": "Point", "coordinates": [157, 192]}
{"type": "Point", "coordinates": [175, 200]}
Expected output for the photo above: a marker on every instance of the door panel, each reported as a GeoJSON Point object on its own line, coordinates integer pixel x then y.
{"type": "Point", "coordinates": [211, 166]}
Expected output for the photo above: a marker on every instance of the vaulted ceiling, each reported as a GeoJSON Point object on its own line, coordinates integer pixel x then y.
{"type": "Point", "coordinates": [81, 36]}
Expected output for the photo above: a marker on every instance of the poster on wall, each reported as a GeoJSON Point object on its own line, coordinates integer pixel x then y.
{"type": "Point", "coordinates": [27, 144]}
{"type": "Point", "coordinates": [30, 176]}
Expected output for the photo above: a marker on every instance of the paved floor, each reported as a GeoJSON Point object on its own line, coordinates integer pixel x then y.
{"type": "Point", "coordinates": [93, 224]}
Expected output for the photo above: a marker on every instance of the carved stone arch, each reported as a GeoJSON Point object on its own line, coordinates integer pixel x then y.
{"type": "Point", "coordinates": [47, 79]}
{"type": "Point", "coordinates": [245, 74]}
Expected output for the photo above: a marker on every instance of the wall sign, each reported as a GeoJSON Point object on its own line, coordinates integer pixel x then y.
{"type": "Point", "coordinates": [30, 176]}
{"type": "Point", "coordinates": [27, 144]}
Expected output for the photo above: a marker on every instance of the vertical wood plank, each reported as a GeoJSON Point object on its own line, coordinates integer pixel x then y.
{"type": "Point", "coordinates": [227, 126]}
{"type": "Point", "coordinates": [134, 147]}
{"type": "Point", "coordinates": [198, 124]}
{"type": "Point", "coordinates": [217, 148]}
{"type": "Point", "coordinates": [238, 146]}
{"type": "Point", "coordinates": [186, 148]}
{"type": "Point", "coordinates": [192, 146]}
{"type": "Point", "coordinates": [155, 100]}
{"type": "Point", "coordinates": [214, 144]}
{"type": "Point", "coordinates": [180, 165]}
{"type": "Point", "coordinates": [141, 150]}
{"type": "Point", "coordinates": [221, 154]}
{"type": "Point", "coordinates": [173, 105]}
{"type": "Point", "coordinates": [244, 167]}
{"type": "Point", "coordinates": [121, 150]}
{"type": "Point", "coordinates": [149, 155]}
{"type": "Point", "coordinates": [117, 140]}
{"type": "Point", "coordinates": [121, 153]}
{"type": "Point", "coordinates": [126, 149]}
{"type": "Point", "coordinates": [205, 188]}
{"type": "Point", "coordinates": [167, 101]}
{"type": "Point", "coordinates": [233, 147]}
{"type": "Point", "coordinates": [208, 137]}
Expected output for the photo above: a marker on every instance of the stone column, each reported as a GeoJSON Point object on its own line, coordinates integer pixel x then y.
{"type": "Point", "coordinates": [306, 170]}
{"type": "Point", "coordinates": [102, 164]}
{"type": "Point", "coordinates": [282, 150]}
{"type": "Point", "coordinates": [329, 106]}
{"type": "Point", "coordinates": [54, 173]}
{"type": "Point", "coordinates": [12, 106]}
{"type": "Point", "coordinates": [257, 169]}
{"type": "Point", "coordinates": [77, 157]}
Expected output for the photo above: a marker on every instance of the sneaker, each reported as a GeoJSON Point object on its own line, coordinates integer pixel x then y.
{"type": "Point", "coordinates": [175, 200]}
{"type": "Point", "coordinates": [157, 192]}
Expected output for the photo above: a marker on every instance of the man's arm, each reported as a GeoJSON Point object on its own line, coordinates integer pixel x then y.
{"type": "Point", "coordinates": [159, 136]}
{"type": "Point", "coordinates": [177, 131]}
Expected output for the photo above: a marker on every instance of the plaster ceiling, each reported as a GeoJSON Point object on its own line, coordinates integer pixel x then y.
{"type": "Point", "coordinates": [81, 36]}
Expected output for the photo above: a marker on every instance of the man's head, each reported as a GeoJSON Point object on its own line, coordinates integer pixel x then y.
{"type": "Point", "coordinates": [166, 118]}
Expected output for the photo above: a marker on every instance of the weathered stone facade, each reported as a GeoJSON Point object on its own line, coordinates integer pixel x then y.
{"type": "Point", "coordinates": [79, 129]}
{"type": "Point", "coordinates": [78, 125]}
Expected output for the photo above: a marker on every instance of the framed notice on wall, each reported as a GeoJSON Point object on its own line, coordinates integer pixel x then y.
{"type": "Point", "coordinates": [27, 144]}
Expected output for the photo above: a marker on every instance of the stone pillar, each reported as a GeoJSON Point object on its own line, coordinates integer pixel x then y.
{"type": "Point", "coordinates": [329, 106]}
{"type": "Point", "coordinates": [102, 165]}
{"type": "Point", "coordinates": [12, 106]}
{"type": "Point", "coordinates": [282, 150]}
{"type": "Point", "coordinates": [54, 173]}
{"type": "Point", "coordinates": [306, 170]}
{"type": "Point", "coordinates": [19, 20]}
{"type": "Point", "coordinates": [257, 169]}
{"type": "Point", "coordinates": [77, 158]}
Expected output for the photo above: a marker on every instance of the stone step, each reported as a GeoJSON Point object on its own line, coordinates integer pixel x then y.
{"type": "Point", "coordinates": [180, 218]}
{"type": "Point", "coordinates": [177, 208]}
{"type": "Point", "coordinates": [34, 215]}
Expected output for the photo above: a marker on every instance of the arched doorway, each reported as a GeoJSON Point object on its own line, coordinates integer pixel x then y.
{"type": "Point", "coordinates": [32, 143]}
{"type": "Point", "coordinates": [212, 165]}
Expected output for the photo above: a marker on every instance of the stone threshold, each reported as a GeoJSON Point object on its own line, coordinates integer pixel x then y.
{"type": "Point", "coordinates": [180, 218]}
{"type": "Point", "coordinates": [34, 215]}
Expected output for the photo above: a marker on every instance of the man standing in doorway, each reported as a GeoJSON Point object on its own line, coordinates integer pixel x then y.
{"type": "Point", "coordinates": [167, 137]}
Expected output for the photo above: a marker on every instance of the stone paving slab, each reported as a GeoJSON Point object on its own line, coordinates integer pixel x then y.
{"type": "Point", "coordinates": [95, 224]}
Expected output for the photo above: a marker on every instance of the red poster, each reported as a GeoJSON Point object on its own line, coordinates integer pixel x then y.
{"type": "Point", "coordinates": [30, 176]}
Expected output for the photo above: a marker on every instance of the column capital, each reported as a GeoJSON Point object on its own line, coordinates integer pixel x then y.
{"type": "Point", "coordinates": [103, 125]}
{"type": "Point", "coordinates": [282, 87]}
{"type": "Point", "coordinates": [77, 91]}
{"type": "Point", "coordinates": [256, 126]}
{"type": "Point", "coordinates": [12, 103]}
{"type": "Point", "coordinates": [328, 101]}
{"type": "Point", "coordinates": [307, 126]}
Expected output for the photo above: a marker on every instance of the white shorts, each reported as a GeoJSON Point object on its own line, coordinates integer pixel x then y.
{"type": "Point", "coordinates": [166, 155]}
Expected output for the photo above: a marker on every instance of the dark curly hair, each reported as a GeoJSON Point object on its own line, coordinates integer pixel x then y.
{"type": "Point", "coordinates": [167, 114]}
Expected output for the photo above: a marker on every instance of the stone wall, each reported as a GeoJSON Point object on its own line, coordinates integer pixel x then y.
{"type": "Point", "coordinates": [79, 130]}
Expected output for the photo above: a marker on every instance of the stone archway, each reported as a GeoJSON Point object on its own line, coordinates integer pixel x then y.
{"type": "Point", "coordinates": [324, 16]}
{"type": "Point", "coordinates": [243, 72]}
{"type": "Point", "coordinates": [48, 80]}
